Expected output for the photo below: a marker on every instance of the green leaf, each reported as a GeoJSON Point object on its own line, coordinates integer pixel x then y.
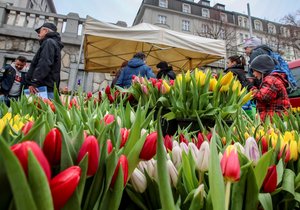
{"type": "Point", "coordinates": [261, 168]}
{"type": "Point", "coordinates": [39, 184]}
{"type": "Point", "coordinates": [136, 198]}
{"type": "Point", "coordinates": [266, 201]}
{"type": "Point", "coordinates": [215, 177]}
{"type": "Point", "coordinates": [288, 181]}
{"type": "Point", "coordinates": [21, 192]}
{"type": "Point", "coordinates": [5, 190]}
{"type": "Point", "coordinates": [165, 192]}
{"type": "Point", "coordinates": [279, 169]}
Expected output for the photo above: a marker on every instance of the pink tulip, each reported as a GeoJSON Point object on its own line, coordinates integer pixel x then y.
{"type": "Point", "coordinates": [124, 136]}
{"type": "Point", "coordinates": [109, 146]}
{"type": "Point", "coordinates": [124, 165]}
{"type": "Point", "coordinates": [63, 186]}
{"type": "Point", "coordinates": [230, 164]}
{"type": "Point", "coordinates": [26, 128]}
{"type": "Point", "coordinates": [149, 148]}
{"type": "Point", "coordinates": [90, 147]}
{"type": "Point", "coordinates": [168, 143]}
{"type": "Point", "coordinates": [52, 146]}
{"type": "Point", "coordinates": [109, 118]}
{"type": "Point", "coordinates": [21, 151]}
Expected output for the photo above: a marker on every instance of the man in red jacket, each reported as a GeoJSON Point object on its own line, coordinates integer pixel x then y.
{"type": "Point", "coordinates": [271, 96]}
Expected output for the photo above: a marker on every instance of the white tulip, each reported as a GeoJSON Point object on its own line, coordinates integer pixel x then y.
{"type": "Point", "coordinates": [177, 156]}
{"type": "Point", "coordinates": [138, 181]}
{"type": "Point", "coordinates": [203, 157]}
{"type": "Point", "coordinates": [172, 172]}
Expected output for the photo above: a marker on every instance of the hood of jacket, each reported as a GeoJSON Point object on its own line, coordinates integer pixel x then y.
{"type": "Point", "coordinates": [136, 62]}
{"type": "Point", "coordinates": [280, 76]}
{"type": "Point", "coordinates": [55, 36]}
{"type": "Point", "coordinates": [264, 47]}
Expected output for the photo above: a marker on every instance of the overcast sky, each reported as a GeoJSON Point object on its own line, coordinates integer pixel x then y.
{"type": "Point", "coordinates": [126, 10]}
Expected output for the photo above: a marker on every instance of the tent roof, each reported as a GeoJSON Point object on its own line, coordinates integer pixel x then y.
{"type": "Point", "coordinates": [106, 46]}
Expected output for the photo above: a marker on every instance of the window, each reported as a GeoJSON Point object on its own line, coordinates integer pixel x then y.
{"type": "Point", "coordinates": [241, 38]}
{"type": "Point", "coordinates": [163, 3]}
{"type": "Point", "coordinates": [271, 28]}
{"type": "Point", "coordinates": [185, 25]}
{"type": "Point", "coordinates": [186, 8]}
{"type": "Point", "coordinates": [246, 24]}
{"type": "Point", "coordinates": [205, 28]}
{"type": "Point", "coordinates": [162, 19]}
{"type": "Point", "coordinates": [284, 31]}
{"type": "Point", "coordinates": [205, 3]}
{"type": "Point", "coordinates": [205, 12]}
{"type": "Point", "coordinates": [240, 21]}
{"type": "Point", "coordinates": [220, 7]}
{"type": "Point", "coordinates": [258, 25]}
{"type": "Point", "coordinates": [222, 33]}
{"type": "Point", "coordinates": [223, 17]}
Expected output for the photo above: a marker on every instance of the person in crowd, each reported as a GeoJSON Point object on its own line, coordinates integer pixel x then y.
{"type": "Point", "coordinates": [236, 64]}
{"type": "Point", "coordinates": [136, 66]}
{"type": "Point", "coordinates": [114, 81]}
{"type": "Point", "coordinates": [164, 70]}
{"type": "Point", "coordinates": [271, 96]}
{"type": "Point", "coordinates": [12, 80]}
{"type": "Point", "coordinates": [45, 66]}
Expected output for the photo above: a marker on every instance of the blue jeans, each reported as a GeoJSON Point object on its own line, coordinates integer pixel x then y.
{"type": "Point", "coordinates": [51, 95]}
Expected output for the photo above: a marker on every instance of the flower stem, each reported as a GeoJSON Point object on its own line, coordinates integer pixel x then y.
{"type": "Point", "coordinates": [227, 195]}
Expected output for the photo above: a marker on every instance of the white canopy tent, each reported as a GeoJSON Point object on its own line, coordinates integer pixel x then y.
{"type": "Point", "coordinates": [106, 46]}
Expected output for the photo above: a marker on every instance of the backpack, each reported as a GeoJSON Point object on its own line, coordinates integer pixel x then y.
{"type": "Point", "coordinates": [283, 67]}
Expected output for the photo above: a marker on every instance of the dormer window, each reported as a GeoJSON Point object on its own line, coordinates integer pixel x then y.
{"type": "Point", "coordinates": [223, 17]}
{"type": "Point", "coordinates": [186, 8]}
{"type": "Point", "coordinates": [205, 12]}
{"type": "Point", "coordinates": [258, 25]}
{"type": "Point", "coordinates": [163, 3]}
{"type": "Point", "coordinates": [271, 28]}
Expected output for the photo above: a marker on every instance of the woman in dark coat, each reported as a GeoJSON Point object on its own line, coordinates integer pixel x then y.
{"type": "Point", "coordinates": [164, 70]}
{"type": "Point", "coordinates": [236, 64]}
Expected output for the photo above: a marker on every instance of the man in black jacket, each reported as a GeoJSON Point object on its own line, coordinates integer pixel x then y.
{"type": "Point", "coordinates": [45, 66]}
{"type": "Point", "coordinates": [12, 79]}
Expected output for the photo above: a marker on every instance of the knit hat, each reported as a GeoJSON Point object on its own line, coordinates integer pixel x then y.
{"type": "Point", "coordinates": [140, 55]}
{"type": "Point", "coordinates": [162, 65]}
{"type": "Point", "coordinates": [252, 42]}
{"type": "Point", "coordinates": [47, 25]}
{"type": "Point", "coordinates": [263, 64]}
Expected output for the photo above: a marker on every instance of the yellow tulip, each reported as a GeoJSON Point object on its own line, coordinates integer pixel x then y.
{"type": "Point", "coordinates": [227, 78]}
{"type": "Point", "coordinates": [212, 84]}
{"type": "Point", "coordinates": [288, 136]}
{"type": "Point", "coordinates": [202, 78]}
{"type": "Point", "coordinates": [246, 135]}
{"type": "Point", "coordinates": [247, 97]}
{"type": "Point", "coordinates": [187, 76]}
{"type": "Point", "coordinates": [293, 150]}
{"type": "Point", "coordinates": [166, 87]}
{"type": "Point", "coordinates": [236, 85]}
{"type": "Point", "coordinates": [274, 138]}
{"type": "Point", "coordinates": [2, 125]}
{"type": "Point", "coordinates": [224, 88]}
{"type": "Point", "coordinates": [179, 79]}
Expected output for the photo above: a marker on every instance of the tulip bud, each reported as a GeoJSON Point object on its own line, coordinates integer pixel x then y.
{"type": "Point", "coordinates": [203, 157]}
{"type": "Point", "coordinates": [132, 117]}
{"type": "Point", "coordinates": [200, 138]}
{"type": "Point", "coordinates": [89, 95]}
{"type": "Point", "coordinates": [270, 181]}
{"type": "Point", "coordinates": [145, 89]}
{"type": "Point", "coordinates": [287, 153]}
{"type": "Point", "coordinates": [109, 146]}
{"type": "Point", "coordinates": [208, 136]}
{"type": "Point", "coordinates": [294, 150]}
{"type": "Point", "coordinates": [90, 147]}
{"type": "Point", "coordinates": [73, 102]}
{"type": "Point", "coordinates": [175, 143]}
{"type": "Point", "coordinates": [26, 128]}
{"type": "Point", "coordinates": [264, 145]}
{"type": "Point", "coordinates": [168, 143]}
{"type": "Point", "coordinates": [172, 172]}
{"type": "Point", "coordinates": [124, 165]}
{"type": "Point", "coordinates": [184, 147]}
{"type": "Point", "coordinates": [21, 151]}
{"type": "Point", "coordinates": [52, 146]}
{"type": "Point", "coordinates": [108, 119]}
{"type": "Point", "coordinates": [138, 181]}
{"type": "Point", "coordinates": [194, 150]}
{"type": "Point", "coordinates": [63, 185]}
{"type": "Point", "coordinates": [230, 164]}
{"type": "Point", "coordinates": [251, 150]}
{"type": "Point", "coordinates": [177, 156]}
{"type": "Point", "coordinates": [124, 136]}
{"type": "Point", "coordinates": [111, 98]}
{"type": "Point", "coordinates": [151, 167]}
{"type": "Point", "coordinates": [107, 90]}
{"type": "Point", "coordinates": [142, 166]}
{"type": "Point", "coordinates": [183, 139]}
{"type": "Point", "coordinates": [149, 148]}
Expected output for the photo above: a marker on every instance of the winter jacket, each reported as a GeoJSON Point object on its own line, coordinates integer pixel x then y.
{"type": "Point", "coordinates": [271, 97]}
{"type": "Point", "coordinates": [136, 67]}
{"type": "Point", "coordinates": [7, 79]}
{"type": "Point", "coordinates": [240, 73]}
{"type": "Point", "coordinates": [168, 72]}
{"type": "Point", "coordinates": [45, 66]}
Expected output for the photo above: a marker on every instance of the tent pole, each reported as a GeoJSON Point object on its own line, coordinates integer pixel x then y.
{"type": "Point", "coordinates": [78, 63]}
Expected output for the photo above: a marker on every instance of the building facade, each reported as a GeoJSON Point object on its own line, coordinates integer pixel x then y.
{"type": "Point", "coordinates": [39, 5]}
{"type": "Point", "coordinates": [214, 21]}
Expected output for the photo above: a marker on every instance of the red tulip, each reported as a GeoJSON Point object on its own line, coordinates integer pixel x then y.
{"type": "Point", "coordinates": [52, 146]}
{"type": "Point", "coordinates": [26, 128]}
{"type": "Point", "coordinates": [63, 186]}
{"type": "Point", "coordinates": [168, 142]}
{"type": "Point", "coordinates": [107, 90]}
{"type": "Point", "coordinates": [208, 136]}
{"type": "Point", "coordinates": [109, 146]}
{"type": "Point", "coordinates": [287, 153]}
{"type": "Point", "coordinates": [183, 139]}
{"type": "Point", "coordinates": [200, 138]}
{"type": "Point", "coordinates": [110, 98]}
{"type": "Point", "coordinates": [90, 147]}
{"type": "Point", "coordinates": [89, 95]}
{"type": "Point", "coordinates": [270, 181]}
{"type": "Point", "coordinates": [109, 118]}
{"type": "Point", "coordinates": [124, 136]}
{"type": "Point", "coordinates": [124, 164]}
{"type": "Point", "coordinates": [230, 164]}
{"type": "Point", "coordinates": [50, 103]}
{"type": "Point", "coordinates": [21, 151]}
{"type": "Point", "coordinates": [73, 102]}
{"type": "Point", "coordinates": [264, 145]}
{"type": "Point", "coordinates": [149, 148]}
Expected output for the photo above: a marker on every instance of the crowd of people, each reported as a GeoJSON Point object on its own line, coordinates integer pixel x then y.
{"type": "Point", "coordinates": [269, 86]}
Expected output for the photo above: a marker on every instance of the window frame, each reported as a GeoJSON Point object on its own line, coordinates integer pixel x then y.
{"type": "Point", "coordinates": [163, 3]}
{"type": "Point", "coordinates": [208, 13]}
